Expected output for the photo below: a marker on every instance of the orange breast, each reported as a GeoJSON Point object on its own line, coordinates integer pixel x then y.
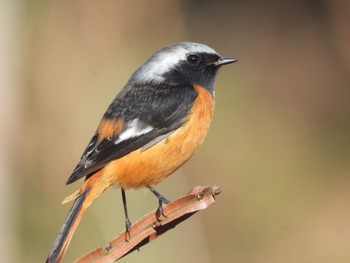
{"type": "Point", "coordinates": [149, 167]}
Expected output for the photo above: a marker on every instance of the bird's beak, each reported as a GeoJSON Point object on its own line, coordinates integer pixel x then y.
{"type": "Point", "coordinates": [224, 61]}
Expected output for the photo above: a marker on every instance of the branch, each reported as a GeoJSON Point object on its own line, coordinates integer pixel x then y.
{"type": "Point", "coordinates": [151, 226]}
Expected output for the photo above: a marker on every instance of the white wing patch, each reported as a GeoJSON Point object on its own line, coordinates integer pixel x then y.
{"type": "Point", "coordinates": [134, 128]}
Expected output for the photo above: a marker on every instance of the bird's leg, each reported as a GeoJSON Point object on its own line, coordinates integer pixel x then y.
{"type": "Point", "coordinates": [162, 200]}
{"type": "Point", "coordinates": [127, 220]}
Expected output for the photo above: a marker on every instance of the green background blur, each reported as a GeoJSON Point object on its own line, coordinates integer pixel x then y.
{"type": "Point", "coordinates": [279, 144]}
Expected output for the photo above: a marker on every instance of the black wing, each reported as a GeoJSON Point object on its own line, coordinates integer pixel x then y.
{"type": "Point", "coordinates": [148, 112]}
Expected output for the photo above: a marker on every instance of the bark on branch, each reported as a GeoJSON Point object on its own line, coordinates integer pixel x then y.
{"type": "Point", "coordinates": [151, 226]}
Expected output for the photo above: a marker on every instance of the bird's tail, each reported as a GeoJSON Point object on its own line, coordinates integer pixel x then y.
{"type": "Point", "coordinates": [66, 232]}
{"type": "Point", "coordinates": [91, 189]}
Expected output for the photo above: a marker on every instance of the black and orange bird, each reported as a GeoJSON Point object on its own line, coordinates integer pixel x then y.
{"type": "Point", "coordinates": [153, 126]}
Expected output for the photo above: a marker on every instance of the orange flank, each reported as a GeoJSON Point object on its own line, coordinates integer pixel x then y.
{"type": "Point", "coordinates": [149, 167]}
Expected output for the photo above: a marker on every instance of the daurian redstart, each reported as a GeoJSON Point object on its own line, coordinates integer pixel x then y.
{"type": "Point", "coordinates": [153, 126]}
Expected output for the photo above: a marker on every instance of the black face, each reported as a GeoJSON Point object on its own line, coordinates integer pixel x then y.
{"type": "Point", "coordinates": [198, 68]}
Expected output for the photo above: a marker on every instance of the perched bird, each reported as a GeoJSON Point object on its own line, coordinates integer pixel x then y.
{"type": "Point", "coordinates": [153, 126]}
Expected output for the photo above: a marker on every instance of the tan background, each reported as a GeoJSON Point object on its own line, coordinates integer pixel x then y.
{"type": "Point", "coordinates": [279, 144]}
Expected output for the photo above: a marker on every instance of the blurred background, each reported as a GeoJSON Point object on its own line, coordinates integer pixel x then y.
{"type": "Point", "coordinates": [279, 144]}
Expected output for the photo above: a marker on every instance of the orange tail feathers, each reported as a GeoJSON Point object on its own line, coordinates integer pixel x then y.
{"type": "Point", "coordinates": [66, 232]}
{"type": "Point", "coordinates": [88, 193]}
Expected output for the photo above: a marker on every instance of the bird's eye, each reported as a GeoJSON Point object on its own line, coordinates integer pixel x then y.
{"type": "Point", "coordinates": [193, 58]}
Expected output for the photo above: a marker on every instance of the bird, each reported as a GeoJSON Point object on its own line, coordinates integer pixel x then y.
{"type": "Point", "coordinates": [154, 125]}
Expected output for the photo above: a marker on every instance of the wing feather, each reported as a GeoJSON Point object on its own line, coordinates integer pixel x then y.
{"type": "Point", "coordinates": [141, 116]}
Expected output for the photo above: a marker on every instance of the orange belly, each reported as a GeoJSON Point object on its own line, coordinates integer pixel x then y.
{"type": "Point", "coordinates": [149, 167]}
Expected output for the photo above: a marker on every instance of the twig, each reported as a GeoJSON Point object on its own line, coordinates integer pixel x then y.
{"type": "Point", "coordinates": [151, 226]}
